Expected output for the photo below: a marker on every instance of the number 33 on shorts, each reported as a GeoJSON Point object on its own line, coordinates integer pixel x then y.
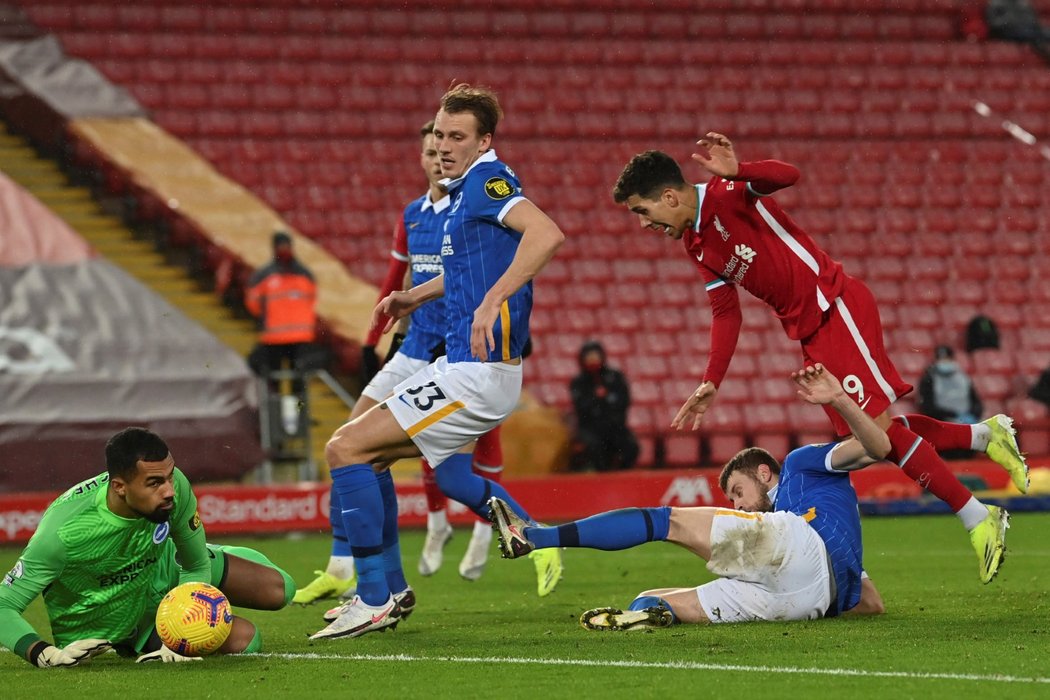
{"type": "Point", "coordinates": [428, 402]}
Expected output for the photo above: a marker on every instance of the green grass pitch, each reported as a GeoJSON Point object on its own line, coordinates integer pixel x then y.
{"type": "Point", "coordinates": [944, 634]}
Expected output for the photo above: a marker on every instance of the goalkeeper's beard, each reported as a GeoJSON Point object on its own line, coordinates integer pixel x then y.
{"type": "Point", "coordinates": [158, 515]}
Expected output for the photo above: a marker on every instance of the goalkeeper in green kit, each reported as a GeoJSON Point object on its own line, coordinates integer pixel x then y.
{"type": "Point", "coordinates": [105, 553]}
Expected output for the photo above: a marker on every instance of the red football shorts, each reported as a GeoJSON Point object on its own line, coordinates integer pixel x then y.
{"type": "Point", "coordinates": [849, 344]}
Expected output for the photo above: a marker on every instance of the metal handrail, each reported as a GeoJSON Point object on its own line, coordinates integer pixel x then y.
{"type": "Point", "coordinates": [308, 467]}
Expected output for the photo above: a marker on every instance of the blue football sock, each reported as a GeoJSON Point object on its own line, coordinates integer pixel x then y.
{"type": "Point", "coordinates": [650, 601]}
{"type": "Point", "coordinates": [616, 529]}
{"type": "Point", "coordinates": [361, 507]}
{"type": "Point", "coordinates": [395, 573]}
{"type": "Point", "coordinates": [457, 480]}
{"type": "Point", "coordinates": [340, 545]}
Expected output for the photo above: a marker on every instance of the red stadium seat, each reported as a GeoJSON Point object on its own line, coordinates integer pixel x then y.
{"type": "Point", "coordinates": [922, 316]}
{"type": "Point", "coordinates": [95, 17]}
{"type": "Point", "coordinates": [584, 295]}
{"type": "Point", "coordinates": [1033, 426]}
{"type": "Point", "coordinates": [931, 269]}
{"type": "Point", "coordinates": [913, 340]}
{"type": "Point", "coordinates": [773, 390]}
{"type": "Point", "coordinates": [652, 367]}
{"type": "Point", "coordinates": [809, 424]}
{"type": "Point", "coordinates": [646, 448]}
{"type": "Point", "coordinates": [681, 449]}
{"type": "Point", "coordinates": [988, 361]}
{"type": "Point", "coordinates": [992, 387]}
{"type": "Point", "coordinates": [182, 18]}
{"type": "Point", "coordinates": [285, 95]}
{"type": "Point", "coordinates": [719, 448]}
{"type": "Point", "coordinates": [1036, 338]}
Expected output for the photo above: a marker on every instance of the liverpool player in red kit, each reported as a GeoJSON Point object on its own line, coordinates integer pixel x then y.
{"type": "Point", "coordinates": [738, 236]}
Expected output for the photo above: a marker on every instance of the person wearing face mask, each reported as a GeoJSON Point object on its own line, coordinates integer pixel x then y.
{"type": "Point", "coordinates": [601, 397]}
{"type": "Point", "coordinates": [282, 295]}
{"type": "Point", "coordinates": [946, 392]}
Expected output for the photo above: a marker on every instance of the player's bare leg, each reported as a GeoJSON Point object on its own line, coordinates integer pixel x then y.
{"type": "Point", "coordinates": [241, 637]}
{"type": "Point", "coordinates": [248, 584]}
{"type": "Point", "coordinates": [691, 528]}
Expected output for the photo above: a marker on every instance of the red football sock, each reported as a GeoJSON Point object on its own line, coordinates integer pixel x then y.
{"type": "Point", "coordinates": [489, 451]}
{"type": "Point", "coordinates": [942, 435]}
{"type": "Point", "coordinates": [919, 460]}
{"type": "Point", "coordinates": [435, 499]}
{"type": "Point", "coordinates": [488, 458]}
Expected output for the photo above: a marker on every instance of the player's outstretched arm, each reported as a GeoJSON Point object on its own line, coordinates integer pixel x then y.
{"type": "Point", "coordinates": [869, 444]}
{"type": "Point", "coordinates": [715, 153]}
{"type": "Point", "coordinates": [540, 238]}
{"type": "Point", "coordinates": [399, 304]}
{"type": "Point", "coordinates": [696, 406]}
{"type": "Point", "coordinates": [870, 600]}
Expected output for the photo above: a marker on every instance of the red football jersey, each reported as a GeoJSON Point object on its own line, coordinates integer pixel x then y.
{"type": "Point", "coordinates": [748, 240]}
{"type": "Point", "coordinates": [744, 238]}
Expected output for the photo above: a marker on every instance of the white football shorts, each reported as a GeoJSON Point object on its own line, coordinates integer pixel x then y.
{"type": "Point", "coordinates": [400, 368]}
{"type": "Point", "coordinates": [444, 406]}
{"type": "Point", "coordinates": [773, 566]}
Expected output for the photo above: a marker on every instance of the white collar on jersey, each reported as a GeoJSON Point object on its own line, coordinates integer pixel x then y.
{"type": "Point", "coordinates": [486, 157]}
{"type": "Point", "coordinates": [701, 192]}
{"type": "Point", "coordinates": [438, 206]}
{"type": "Point", "coordinates": [772, 493]}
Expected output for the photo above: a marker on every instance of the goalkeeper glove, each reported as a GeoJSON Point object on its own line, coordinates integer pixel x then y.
{"type": "Point", "coordinates": [74, 653]}
{"type": "Point", "coordinates": [369, 362]}
{"type": "Point", "coordinates": [165, 655]}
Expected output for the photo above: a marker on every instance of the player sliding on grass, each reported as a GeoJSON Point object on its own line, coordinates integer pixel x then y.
{"type": "Point", "coordinates": [738, 236]}
{"type": "Point", "coordinates": [792, 550]}
{"type": "Point", "coordinates": [104, 555]}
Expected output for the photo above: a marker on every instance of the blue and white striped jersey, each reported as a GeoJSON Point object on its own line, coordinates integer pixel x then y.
{"type": "Point", "coordinates": [476, 250]}
{"type": "Point", "coordinates": [423, 221]}
{"type": "Point", "coordinates": [825, 498]}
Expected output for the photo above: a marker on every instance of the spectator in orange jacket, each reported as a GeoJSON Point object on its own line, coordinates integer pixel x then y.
{"type": "Point", "coordinates": [282, 295]}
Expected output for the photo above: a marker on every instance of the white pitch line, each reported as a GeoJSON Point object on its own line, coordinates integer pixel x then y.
{"type": "Point", "coordinates": [673, 665]}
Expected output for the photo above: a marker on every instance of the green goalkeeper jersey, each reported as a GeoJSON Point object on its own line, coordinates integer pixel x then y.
{"type": "Point", "coordinates": [101, 575]}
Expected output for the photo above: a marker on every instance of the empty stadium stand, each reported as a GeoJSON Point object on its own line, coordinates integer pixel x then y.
{"type": "Point", "coordinates": [315, 107]}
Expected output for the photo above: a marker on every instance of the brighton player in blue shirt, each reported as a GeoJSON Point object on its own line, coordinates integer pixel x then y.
{"type": "Point", "coordinates": [791, 551]}
{"type": "Point", "coordinates": [494, 242]}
